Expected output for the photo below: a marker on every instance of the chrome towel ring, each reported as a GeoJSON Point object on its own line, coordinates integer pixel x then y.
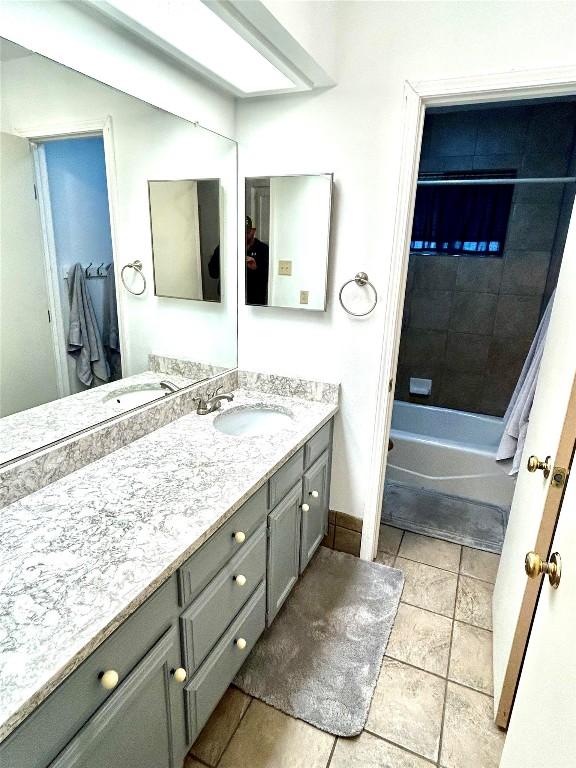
{"type": "Point", "coordinates": [361, 278]}
{"type": "Point", "coordinates": [137, 267]}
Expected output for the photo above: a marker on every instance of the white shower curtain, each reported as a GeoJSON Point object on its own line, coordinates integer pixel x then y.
{"type": "Point", "coordinates": [517, 414]}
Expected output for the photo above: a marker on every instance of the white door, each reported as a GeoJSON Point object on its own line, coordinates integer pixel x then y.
{"type": "Point", "coordinates": [542, 728]}
{"type": "Point", "coordinates": [535, 500]}
{"type": "Point", "coordinates": [27, 366]}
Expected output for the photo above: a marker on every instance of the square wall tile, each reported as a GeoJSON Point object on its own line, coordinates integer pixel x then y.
{"type": "Point", "coordinates": [436, 273]}
{"type": "Point", "coordinates": [467, 352]}
{"type": "Point", "coordinates": [346, 540]}
{"type": "Point", "coordinates": [502, 130]}
{"type": "Point", "coordinates": [517, 315]}
{"type": "Point", "coordinates": [452, 133]}
{"type": "Point", "coordinates": [473, 312]}
{"type": "Point", "coordinates": [430, 310]}
{"type": "Point", "coordinates": [407, 708]}
{"type": "Point", "coordinates": [420, 347]}
{"type": "Point", "coordinates": [470, 737]}
{"type": "Point", "coordinates": [462, 391]}
{"type": "Point", "coordinates": [525, 272]}
{"type": "Point", "coordinates": [428, 587]}
{"type": "Point", "coordinates": [474, 602]}
{"type": "Point", "coordinates": [532, 226]}
{"type": "Point", "coordinates": [471, 657]}
{"type": "Point", "coordinates": [420, 638]}
{"type": "Point", "coordinates": [479, 275]}
{"type": "Point", "coordinates": [551, 130]}
{"type": "Point", "coordinates": [508, 352]}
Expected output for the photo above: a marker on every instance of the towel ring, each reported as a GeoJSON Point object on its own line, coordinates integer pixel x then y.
{"type": "Point", "coordinates": [137, 267]}
{"type": "Point", "coordinates": [361, 278]}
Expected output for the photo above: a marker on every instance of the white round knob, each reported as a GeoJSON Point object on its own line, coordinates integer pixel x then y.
{"type": "Point", "coordinates": [179, 674]}
{"type": "Point", "coordinates": [305, 507]}
{"type": "Point", "coordinates": [109, 679]}
{"type": "Point", "coordinates": [314, 494]}
{"type": "Point", "coordinates": [241, 643]}
{"type": "Point", "coordinates": [240, 537]}
{"type": "Point", "coordinates": [240, 580]}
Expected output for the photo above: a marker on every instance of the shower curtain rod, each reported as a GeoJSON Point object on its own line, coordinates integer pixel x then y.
{"type": "Point", "coordinates": [553, 180]}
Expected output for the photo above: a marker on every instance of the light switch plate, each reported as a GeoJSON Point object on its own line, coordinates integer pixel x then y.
{"type": "Point", "coordinates": [285, 268]}
{"type": "Point", "coordinates": [304, 297]}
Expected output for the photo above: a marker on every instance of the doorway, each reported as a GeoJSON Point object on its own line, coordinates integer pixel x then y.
{"type": "Point", "coordinates": [532, 491]}
{"type": "Point", "coordinates": [74, 202]}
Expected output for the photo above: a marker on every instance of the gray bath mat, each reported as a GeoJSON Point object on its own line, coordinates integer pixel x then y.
{"type": "Point", "coordinates": [445, 517]}
{"type": "Point", "coordinates": [320, 659]}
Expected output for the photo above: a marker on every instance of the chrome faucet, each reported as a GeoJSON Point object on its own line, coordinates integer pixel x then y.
{"type": "Point", "coordinates": [169, 386]}
{"type": "Point", "coordinates": [214, 403]}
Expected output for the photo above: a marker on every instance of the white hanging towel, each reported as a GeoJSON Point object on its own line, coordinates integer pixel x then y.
{"type": "Point", "coordinates": [517, 414]}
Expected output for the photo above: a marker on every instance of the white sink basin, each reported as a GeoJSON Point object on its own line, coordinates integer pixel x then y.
{"type": "Point", "coordinates": [248, 421]}
{"type": "Point", "coordinates": [130, 397]}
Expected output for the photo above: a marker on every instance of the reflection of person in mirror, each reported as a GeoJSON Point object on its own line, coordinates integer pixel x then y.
{"type": "Point", "coordinates": [257, 262]}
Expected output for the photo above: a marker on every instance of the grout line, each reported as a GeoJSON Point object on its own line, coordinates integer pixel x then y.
{"type": "Point", "coordinates": [435, 674]}
{"type": "Point", "coordinates": [332, 752]}
{"type": "Point", "coordinates": [447, 570]}
{"type": "Point", "coordinates": [441, 740]}
{"type": "Point", "coordinates": [235, 729]}
{"type": "Point", "coordinates": [400, 746]}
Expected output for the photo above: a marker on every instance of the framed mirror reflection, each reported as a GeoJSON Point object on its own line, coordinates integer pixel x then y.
{"type": "Point", "coordinates": [92, 317]}
{"type": "Point", "coordinates": [287, 231]}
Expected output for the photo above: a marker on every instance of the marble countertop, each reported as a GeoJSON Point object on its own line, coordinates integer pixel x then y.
{"type": "Point", "coordinates": [79, 556]}
{"type": "Point", "coordinates": [37, 427]}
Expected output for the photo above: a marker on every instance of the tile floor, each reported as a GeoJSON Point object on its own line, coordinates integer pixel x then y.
{"type": "Point", "coordinates": [433, 701]}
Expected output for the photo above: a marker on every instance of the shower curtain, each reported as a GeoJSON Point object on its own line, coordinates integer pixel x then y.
{"type": "Point", "coordinates": [517, 414]}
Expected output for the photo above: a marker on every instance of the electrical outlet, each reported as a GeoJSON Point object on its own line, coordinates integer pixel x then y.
{"type": "Point", "coordinates": [304, 297]}
{"type": "Point", "coordinates": [285, 268]}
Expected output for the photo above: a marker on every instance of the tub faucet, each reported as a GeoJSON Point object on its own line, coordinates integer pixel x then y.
{"type": "Point", "coordinates": [213, 404]}
{"type": "Point", "coordinates": [168, 386]}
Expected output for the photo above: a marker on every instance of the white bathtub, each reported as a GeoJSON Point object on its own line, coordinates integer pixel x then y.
{"type": "Point", "coordinates": [449, 451]}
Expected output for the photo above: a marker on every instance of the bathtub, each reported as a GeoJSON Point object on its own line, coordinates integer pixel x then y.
{"type": "Point", "coordinates": [449, 451]}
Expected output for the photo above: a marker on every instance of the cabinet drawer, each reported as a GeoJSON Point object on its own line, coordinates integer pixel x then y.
{"type": "Point", "coordinates": [317, 444]}
{"type": "Point", "coordinates": [53, 724]}
{"type": "Point", "coordinates": [204, 564]}
{"type": "Point", "coordinates": [210, 614]}
{"type": "Point", "coordinates": [210, 683]}
{"type": "Point", "coordinates": [285, 478]}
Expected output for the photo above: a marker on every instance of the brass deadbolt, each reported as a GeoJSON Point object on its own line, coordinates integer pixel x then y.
{"type": "Point", "coordinates": [534, 566]}
{"type": "Point", "coordinates": [534, 464]}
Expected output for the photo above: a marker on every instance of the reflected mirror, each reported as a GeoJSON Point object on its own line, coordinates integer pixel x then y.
{"type": "Point", "coordinates": [287, 240]}
{"type": "Point", "coordinates": [185, 226]}
{"type": "Point", "coordinates": [84, 335]}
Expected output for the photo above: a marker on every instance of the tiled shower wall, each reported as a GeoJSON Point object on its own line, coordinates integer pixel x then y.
{"type": "Point", "coordinates": [469, 321]}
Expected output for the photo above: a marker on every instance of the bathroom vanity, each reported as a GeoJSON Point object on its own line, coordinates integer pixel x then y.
{"type": "Point", "coordinates": [188, 567]}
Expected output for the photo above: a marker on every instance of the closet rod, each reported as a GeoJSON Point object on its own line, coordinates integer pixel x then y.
{"type": "Point", "coordinates": [442, 182]}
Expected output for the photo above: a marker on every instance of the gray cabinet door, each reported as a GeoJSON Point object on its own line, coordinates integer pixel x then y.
{"type": "Point", "coordinates": [283, 550]}
{"type": "Point", "coordinates": [142, 725]}
{"type": "Point", "coordinates": [316, 489]}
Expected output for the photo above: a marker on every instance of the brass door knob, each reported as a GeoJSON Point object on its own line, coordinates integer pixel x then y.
{"type": "Point", "coordinates": [534, 464]}
{"type": "Point", "coordinates": [534, 566]}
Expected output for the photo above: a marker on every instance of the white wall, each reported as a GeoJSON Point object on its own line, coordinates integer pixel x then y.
{"type": "Point", "coordinates": [354, 130]}
{"type": "Point", "coordinates": [148, 144]}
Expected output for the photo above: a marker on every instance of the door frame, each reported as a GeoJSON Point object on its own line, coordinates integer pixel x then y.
{"type": "Point", "coordinates": [69, 129]}
{"type": "Point", "coordinates": [418, 96]}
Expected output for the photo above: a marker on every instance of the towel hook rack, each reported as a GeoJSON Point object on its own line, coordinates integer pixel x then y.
{"type": "Point", "coordinates": [137, 267]}
{"type": "Point", "coordinates": [87, 270]}
{"type": "Point", "coordinates": [361, 278]}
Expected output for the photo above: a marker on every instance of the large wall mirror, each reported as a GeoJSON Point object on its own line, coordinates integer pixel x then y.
{"type": "Point", "coordinates": [287, 240]}
{"type": "Point", "coordinates": [115, 215]}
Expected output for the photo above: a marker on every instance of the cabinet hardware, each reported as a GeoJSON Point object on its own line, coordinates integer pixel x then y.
{"type": "Point", "coordinates": [240, 643]}
{"type": "Point", "coordinates": [239, 537]}
{"type": "Point", "coordinates": [179, 674]}
{"type": "Point", "coordinates": [109, 679]}
{"type": "Point", "coordinates": [240, 580]}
